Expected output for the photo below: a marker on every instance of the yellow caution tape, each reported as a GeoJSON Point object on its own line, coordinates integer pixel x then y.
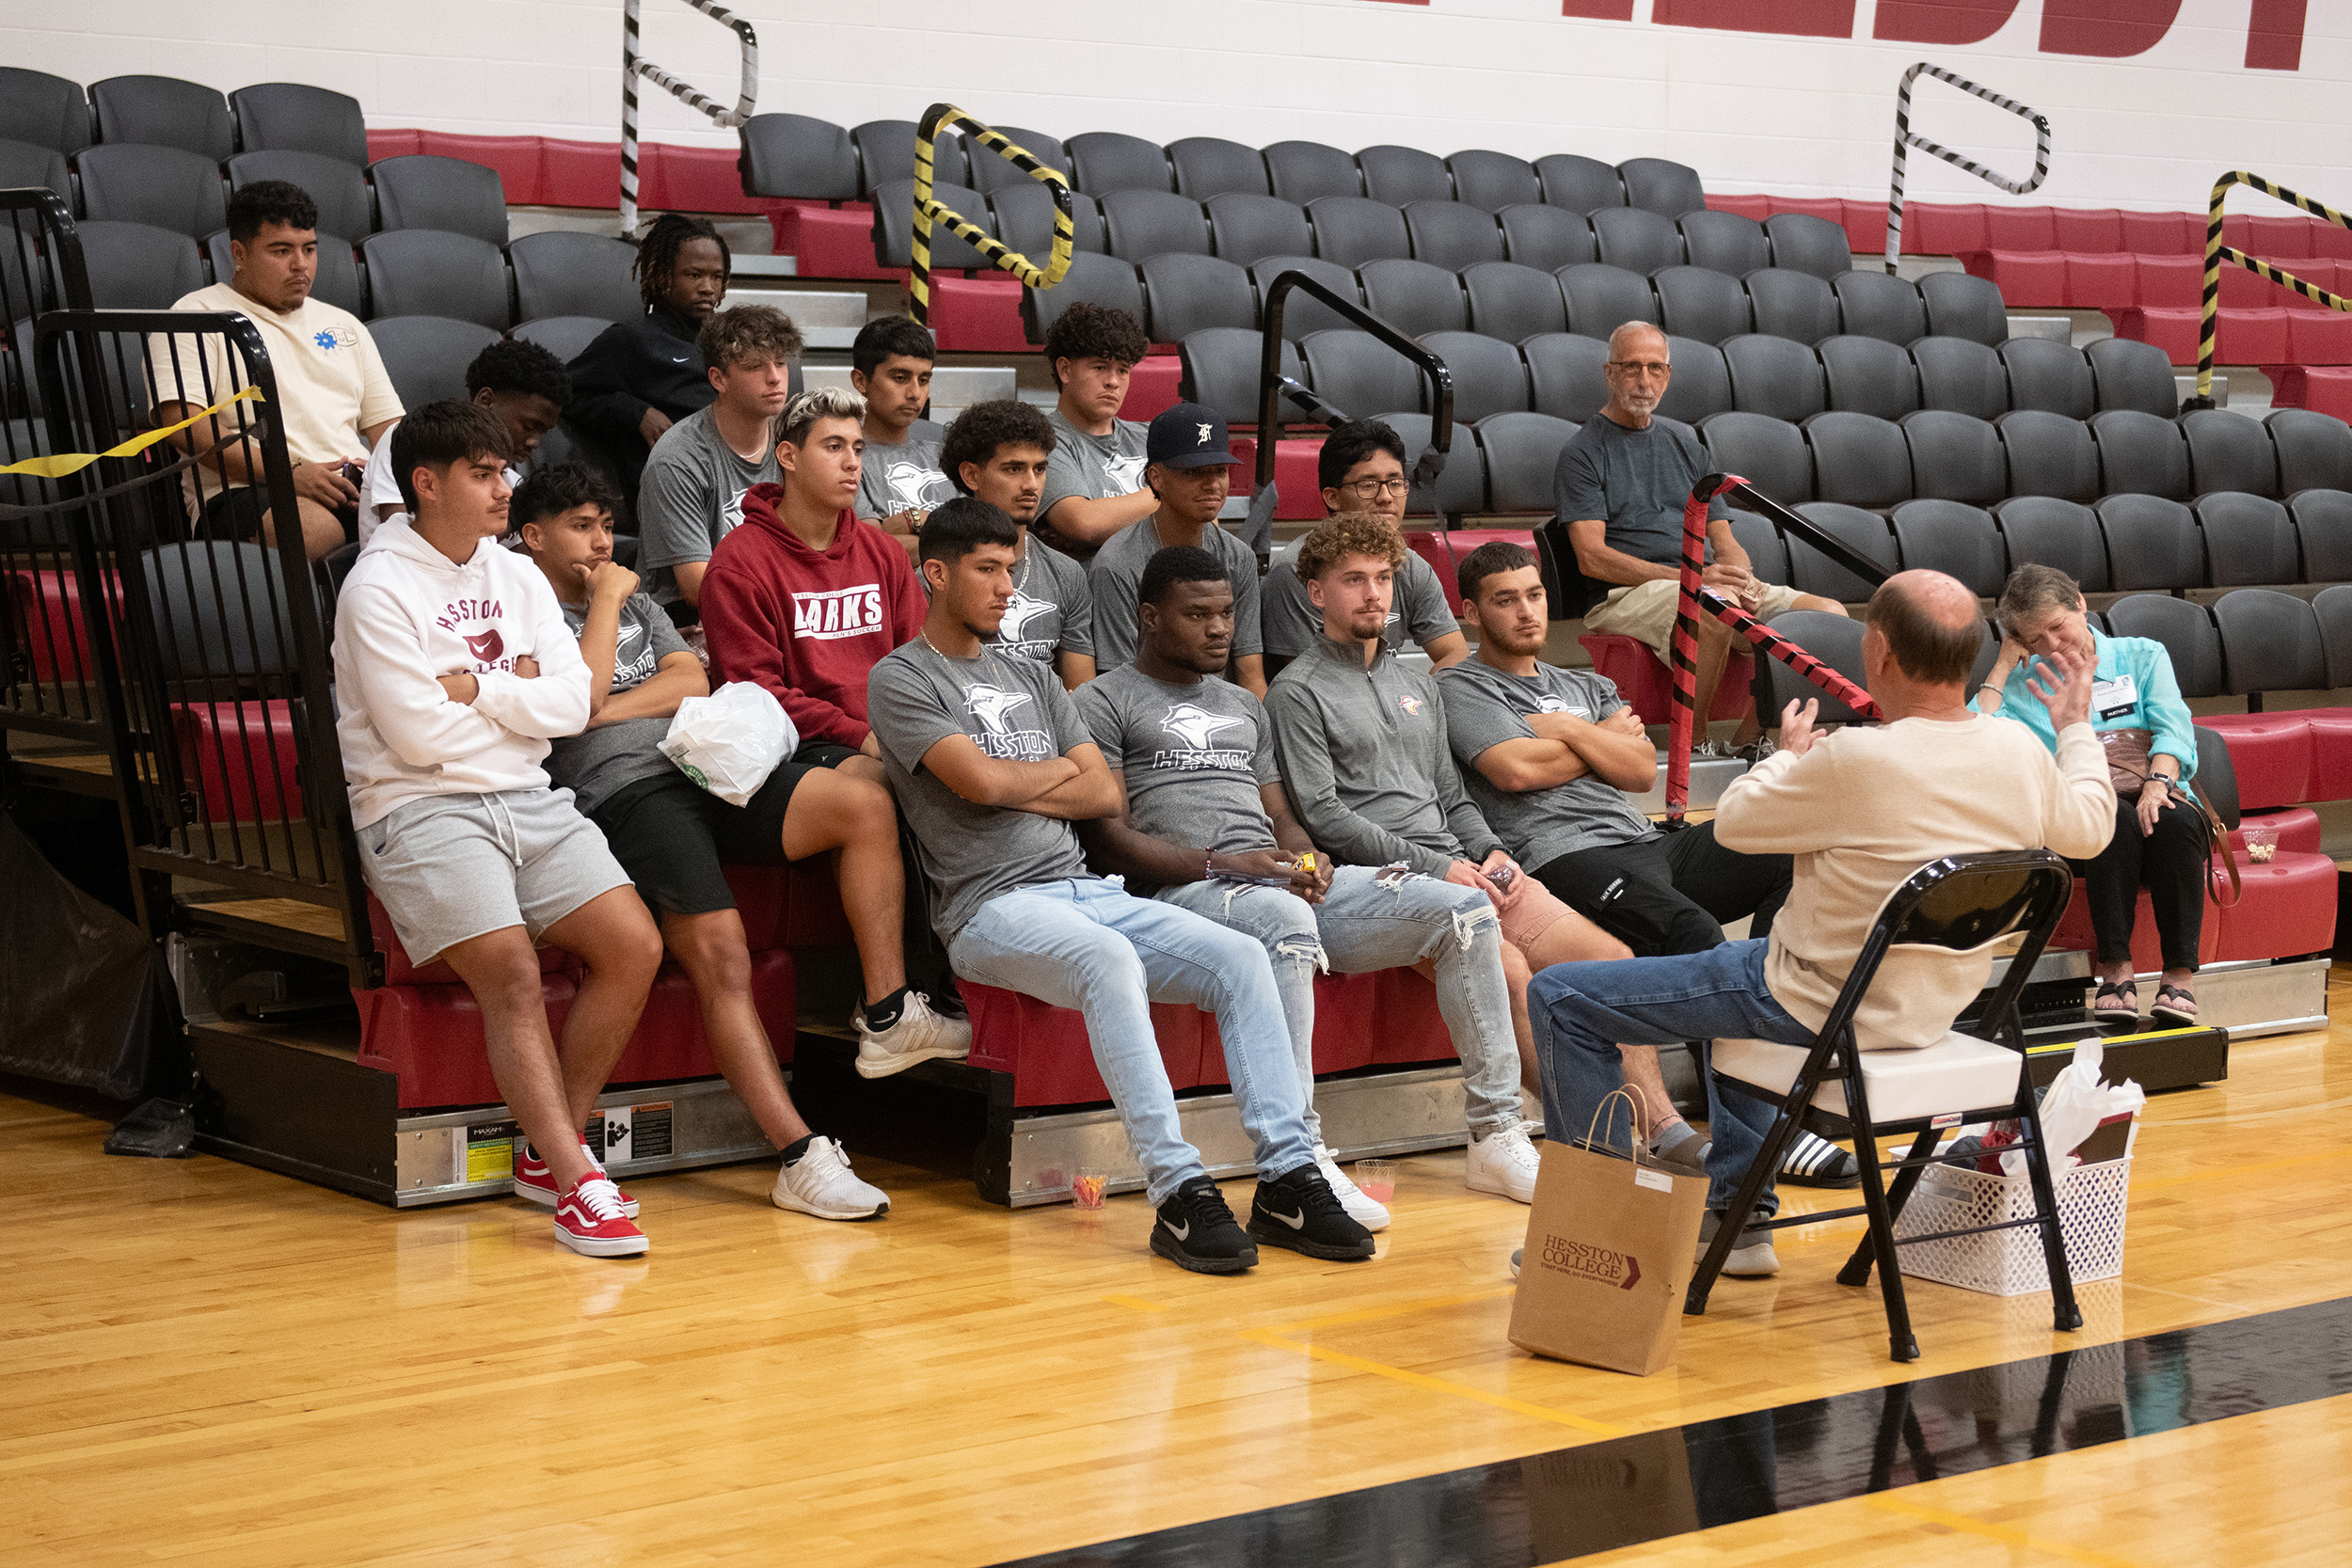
{"type": "Point", "coordinates": [75, 461]}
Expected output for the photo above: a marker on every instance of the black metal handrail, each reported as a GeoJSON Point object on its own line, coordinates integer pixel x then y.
{"type": "Point", "coordinates": [1796, 523]}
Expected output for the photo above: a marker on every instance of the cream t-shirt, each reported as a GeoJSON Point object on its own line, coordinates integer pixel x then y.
{"type": "Point", "coordinates": [332, 383]}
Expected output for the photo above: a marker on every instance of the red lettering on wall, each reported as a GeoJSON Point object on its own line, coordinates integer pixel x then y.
{"type": "Point", "coordinates": [2274, 36]}
{"type": "Point", "coordinates": [2108, 28]}
{"type": "Point", "coordinates": [1825, 19]}
{"type": "Point", "coordinates": [1942, 21]}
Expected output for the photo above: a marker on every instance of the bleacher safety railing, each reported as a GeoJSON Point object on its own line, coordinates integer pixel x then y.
{"type": "Point", "coordinates": [1695, 598]}
{"type": "Point", "coordinates": [2216, 253]}
{"type": "Point", "coordinates": [929, 210]}
{"type": "Point", "coordinates": [634, 64]}
{"type": "Point", "coordinates": [1906, 138]}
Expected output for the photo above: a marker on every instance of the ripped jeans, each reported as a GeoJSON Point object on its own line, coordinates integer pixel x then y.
{"type": "Point", "coordinates": [1363, 925]}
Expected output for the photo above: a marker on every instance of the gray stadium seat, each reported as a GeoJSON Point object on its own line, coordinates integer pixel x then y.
{"type": "Point", "coordinates": [1702, 304]}
{"type": "Point", "coordinates": [163, 111]}
{"type": "Point", "coordinates": [1544, 237]}
{"type": "Point", "coordinates": [1183, 294]}
{"type": "Point", "coordinates": [1141, 223]}
{"type": "Point", "coordinates": [2314, 449]}
{"type": "Point", "coordinates": [991, 172]}
{"type": "Point", "coordinates": [1834, 639]}
{"type": "Point", "coordinates": [1768, 552]}
{"type": "Point", "coordinates": [894, 226]}
{"type": "Point", "coordinates": [1579, 183]}
{"type": "Point", "coordinates": [1792, 304]}
{"type": "Point", "coordinates": [425, 191]}
{"type": "Point", "coordinates": [799, 158]}
{"type": "Point", "coordinates": [1865, 532]}
{"type": "Point", "coordinates": [24, 164]}
{"type": "Point", "coordinates": [426, 357]}
{"type": "Point", "coordinates": [1636, 239]}
{"type": "Point", "coordinates": [166, 188]}
{"type": "Point", "coordinates": [1565, 372]}
{"type": "Point", "coordinates": [1662, 186]}
{"type": "Point", "coordinates": [1494, 180]}
{"type": "Point", "coordinates": [338, 189]}
{"type": "Point", "coordinates": [2230, 451]}
{"type": "Point", "coordinates": [1954, 458]}
{"type": "Point", "coordinates": [2140, 454]}
{"type": "Point", "coordinates": [2187, 631]}
{"type": "Point", "coordinates": [1305, 171]}
{"type": "Point", "coordinates": [1601, 299]}
{"type": "Point", "coordinates": [1522, 460]}
{"type": "Point", "coordinates": [1452, 235]}
{"type": "Point", "coordinates": [337, 280]}
{"type": "Point", "coordinates": [294, 116]}
{"type": "Point", "coordinates": [1807, 243]}
{"type": "Point", "coordinates": [1398, 175]}
{"type": "Point", "coordinates": [2270, 642]}
{"type": "Point", "coordinates": [1859, 461]}
{"type": "Point", "coordinates": [1700, 386]}
{"type": "Point", "coordinates": [2126, 373]}
{"type": "Point", "coordinates": [1511, 302]}
{"type": "Point", "coordinates": [1353, 230]}
{"type": "Point", "coordinates": [1021, 216]}
{"type": "Point", "coordinates": [1768, 453]}
{"type": "Point", "coordinates": [2046, 373]}
{"type": "Point", "coordinates": [884, 150]}
{"type": "Point", "coordinates": [2323, 526]}
{"type": "Point", "coordinates": [1462, 487]}
{"type": "Point", "coordinates": [1868, 375]}
{"type": "Point", "coordinates": [1414, 297]}
{"type": "Point", "coordinates": [47, 111]}
{"type": "Point", "coordinates": [1874, 305]}
{"type": "Point", "coordinates": [1962, 306]}
{"type": "Point", "coordinates": [1489, 377]}
{"type": "Point", "coordinates": [1963, 375]}
{"type": "Point", "coordinates": [562, 336]}
{"type": "Point", "coordinates": [2333, 607]}
{"type": "Point", "coordinates": [1097, 280]}
{"type": "Point", "coordinates": [1776, 377]}
{"type": "Point", "coordinates": [1221, 369]}
{"type": "Point", "coordinates": [2151, 543]}
{"type": "Point", "coordinates": [1302, 314]}
{"type": "Point", "coordinates": [1725, 242]}
{"type": "Point", "coordinates": [1102, 161]}
{"type": "Point", "coordinates": [1209, 167]}
{"type": "Point", "coordinates": [1247, 227]}
{"type": "Point", "coordinates": [560, 274]}
{"type": "Point", "coordinates": [430, 272]}
{"type": "Point", "coordinates": [135, 266]}
{"type": "Point", "coordinates": [2050, 455]}
{"type": "Point", "coordinates": [2043, 530]}
{"type": "Point", "coordinates": [1953, 538]}
{"type": "Point", "coordinates": [2249, 539]}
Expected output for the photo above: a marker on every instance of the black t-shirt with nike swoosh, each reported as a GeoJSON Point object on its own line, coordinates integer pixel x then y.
{"type": "Point", "coordinates": [598, 764]}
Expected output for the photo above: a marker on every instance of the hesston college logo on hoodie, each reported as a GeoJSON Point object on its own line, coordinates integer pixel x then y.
{"type": "Point", "coordinates": [838, 612]}
{"type": "Point", "coordinates": [488, 647]}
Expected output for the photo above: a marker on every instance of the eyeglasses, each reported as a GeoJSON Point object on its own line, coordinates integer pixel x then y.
{"type": "Point", "coordinates": [1642, 367]}
{"type": "Point", "coordinates": [1373, 489]}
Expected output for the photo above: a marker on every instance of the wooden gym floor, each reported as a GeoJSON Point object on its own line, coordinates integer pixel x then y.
{"type": "Point", "coordinates": [208, 1364]}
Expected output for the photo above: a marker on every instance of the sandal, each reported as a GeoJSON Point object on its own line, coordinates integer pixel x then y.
{"type": "Point", "coordinates": [2124, 1013]}
{"type": "Point", "coordinates": [2175, 1006]}
{"type": "Point", "coordinates": [1815, 1162]}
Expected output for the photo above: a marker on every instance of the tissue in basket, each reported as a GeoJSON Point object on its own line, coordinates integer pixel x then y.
{"type": "Point", "coordinates": [731, 740]}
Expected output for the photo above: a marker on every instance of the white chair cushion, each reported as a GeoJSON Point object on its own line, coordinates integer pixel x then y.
{"type": "Point", "coordinates": [1958, 1072]}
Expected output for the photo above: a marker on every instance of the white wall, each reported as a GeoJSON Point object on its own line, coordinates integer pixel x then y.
{"type": "Point", "coordinates": [1801, 116]}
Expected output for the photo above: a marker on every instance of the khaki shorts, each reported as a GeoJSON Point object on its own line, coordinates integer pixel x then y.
{"type": "Point", "coordinates": [1645, 611]}
{"type": "Point", "coordinates": [1537, 911]}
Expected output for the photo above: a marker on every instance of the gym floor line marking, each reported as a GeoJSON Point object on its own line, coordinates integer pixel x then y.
{"type": "Point", "coordinates": [2006, 1535]}
{"type": "Point", "coordinates": [1431, 1385]}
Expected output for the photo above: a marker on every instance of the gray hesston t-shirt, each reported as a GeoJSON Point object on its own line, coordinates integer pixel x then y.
{"type": "Point", "coordinates": [1016, 711]}
{"type": "Point", "coordinates": [1635, 480]}
{"type": "Point", "coordinates": [904, 477]}
{"type": "Point", "coordinates": [691, 496]}
{"type": "Point", "coordinates": [1092, 468]}
{"type": "Point", "coordinates": [1485, 708]}
{"type": "Point", "coordinates": [1293, 625]}
{"type": "Point", "coordinates": [1117, 571]}
{"type": "Point", "coordinates": [599, 763]}
{"type": "Point", "coordinates": [1193, 757]}
{"type": "Point", "coordinates": [1052, 610]}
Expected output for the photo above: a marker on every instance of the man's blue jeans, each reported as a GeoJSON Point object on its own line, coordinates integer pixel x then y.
{"type": "Point", "coordinates": [1088, 943]}
{"type": "Point", "coordinates": [1582, 1012]}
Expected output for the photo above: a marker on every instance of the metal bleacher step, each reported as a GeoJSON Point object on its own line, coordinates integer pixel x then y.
{"type": "Point", "coordinates": [954, 387]}
{"type": "Point", "coordinates": [828, 318]}
{"type": "Point", "coordinates": [2058, 327]}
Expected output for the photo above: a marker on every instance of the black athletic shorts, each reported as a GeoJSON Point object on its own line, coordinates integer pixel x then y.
{"type": "Point", "coordinates": [236, 514]}
{"type": "Point", "coordinates": [671, 835]}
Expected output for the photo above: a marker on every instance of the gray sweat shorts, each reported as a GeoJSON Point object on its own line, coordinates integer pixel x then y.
{"type": "Point", "coordinates": [451, 868]}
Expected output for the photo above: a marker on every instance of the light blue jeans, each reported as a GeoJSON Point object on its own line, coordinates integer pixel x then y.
{"type": "Point", "coordinates": [1363, 926]}
{"type": "Point", "coordinates": [1088, 943]}
{"type": "Point", "coordinates": [1582, 1013]}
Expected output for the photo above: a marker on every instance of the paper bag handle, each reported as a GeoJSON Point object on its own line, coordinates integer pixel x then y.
{"type": "Point", "coordinates": [1632, 1114]}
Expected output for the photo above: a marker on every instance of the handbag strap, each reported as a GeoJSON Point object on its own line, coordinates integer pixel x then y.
{"type": "Point", "coordinates": [2219, 836]}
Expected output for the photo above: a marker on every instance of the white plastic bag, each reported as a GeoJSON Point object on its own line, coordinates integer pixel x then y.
{"type": "Point", "coordinates": [2074, 1106]}
{"type": "Point", "coordinates": [731, 740]}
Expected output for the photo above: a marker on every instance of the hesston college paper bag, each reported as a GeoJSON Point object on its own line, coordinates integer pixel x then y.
{"type": "Point", "coordinates": [1610, 1248]}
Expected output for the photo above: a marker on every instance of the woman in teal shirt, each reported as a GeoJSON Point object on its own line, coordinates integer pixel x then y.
{"type": "Point", "coordinates": [2159, 840]}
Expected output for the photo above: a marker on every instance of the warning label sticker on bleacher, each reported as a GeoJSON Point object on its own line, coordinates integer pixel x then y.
{"type": "Point", "coordinates": [651, 1131]}
{"type": "Point", "coordinates": [487, 1153]}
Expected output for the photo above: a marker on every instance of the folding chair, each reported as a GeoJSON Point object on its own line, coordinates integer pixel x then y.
{"type": "Point", "coordinates": [1962, 904]}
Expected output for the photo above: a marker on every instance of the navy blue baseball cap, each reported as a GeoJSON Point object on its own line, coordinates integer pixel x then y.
{"type": "Point", "coordinates": [1188, 435]}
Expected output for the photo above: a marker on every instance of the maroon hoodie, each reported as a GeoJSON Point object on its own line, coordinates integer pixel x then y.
{"type": "Point", "coordinates": [808, 625]}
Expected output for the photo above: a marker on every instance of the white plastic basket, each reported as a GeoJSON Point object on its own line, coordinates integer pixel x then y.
{"type": "Point", "coordinates": [2090, 1202]}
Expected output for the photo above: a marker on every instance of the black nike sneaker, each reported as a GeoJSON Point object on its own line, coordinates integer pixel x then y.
{"type": "Point", "coordinates": [1196, 1231]}
{"type": "Point", "coordinates": [1299, 1211]}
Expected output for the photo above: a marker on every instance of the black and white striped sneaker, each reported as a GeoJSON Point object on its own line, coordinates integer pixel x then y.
{"type": "Point", "coordinates": [1813, 1162]}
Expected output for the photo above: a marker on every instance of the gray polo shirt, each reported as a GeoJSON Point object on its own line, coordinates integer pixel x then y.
{"type": "Point", "coordinates": [1117, 571]}
{"type": "Point", "coordinates": [1092, 468]}
{"type": "Point", "coordinates": [691, 498]}
{"type": "Point", "coordinates": [1485, 708]}
{"type": "Point", "coordinates": [597, 764]}
{"type": "Point", "coordinates": [1637, 481]}
{"type": "Point", "coordinates": [1292, 623]}
{"type": "Point", "coordinates": [1193, 757]}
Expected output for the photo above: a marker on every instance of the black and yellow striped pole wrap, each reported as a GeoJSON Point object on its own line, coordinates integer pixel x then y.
{"type": "Point", "coordinates": [928, 211]}
{"type": "Point", "coordinates": [2216, 253]}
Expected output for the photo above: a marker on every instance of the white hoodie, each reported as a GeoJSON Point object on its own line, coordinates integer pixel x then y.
{"type": "Point", "coordinates": [409, 615]}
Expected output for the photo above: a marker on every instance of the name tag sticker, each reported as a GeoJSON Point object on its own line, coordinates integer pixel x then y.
{"type": "Point", "coordinates": [2113, 699]}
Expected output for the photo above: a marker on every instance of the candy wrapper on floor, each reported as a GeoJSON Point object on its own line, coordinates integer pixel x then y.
{"type": "Point", "coordinates": [2073, 1106]}
{"type": "Point", "coordinates": [731, 740]}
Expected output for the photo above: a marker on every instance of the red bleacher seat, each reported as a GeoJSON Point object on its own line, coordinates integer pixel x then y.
{"type": "Point", "coordinates": [1444, 548]}
{"type": "Point", "coordinates": [2271, 754]}
{"type": "Point", "coordinates": [2284, 908]}
{"type": "Point", "coordinates": [240, 759]}
{"type": "Point", "coordinates": [2087, 230]}
{"type": "Point", "coordinates": [1642, 679]}
{"type": "Point", "coordinates": [1865, 223]}
{"type": "Point", "coordinates": [2173, 282]}
{"type": "Point", "coordinates": [2100, 277]}
{"type": "Point", "coordinates": [2297, 828]}
{"type": "Point", "coordinates": [2327, 388]}
{"type": "Point", "coordinates": [2161, 233]}
{"type": "Point", "coordinates": [45, 608]}
{"type": "Point", "coordinates": [2331, 731]}
{"type": "Point", "coordinates": [1294, 475]}
{"type": "Point", "coordinates": [1756, 207]}
{"type": "Point", "coordinates": [2176, 330]}
{"type": "Point", "coordinates": [2020, 228]}
{"type": "Point", "coordinates": [2329, 240]}
{"type": "Point", "coordinates": [1828, 209]}
{"type": "Point", "coordinates": [1943, 229]}
{"type": "Point", "coordinates": [1156, 385]}
{"type": "Point", "coordinates": [978, 315]}
{"type": "Point", "coordinates": [829, 241]}
{"type": "Point", "coordinates": [2024, 277]}
{"type": "Point", "coordinates": [2318, 335]}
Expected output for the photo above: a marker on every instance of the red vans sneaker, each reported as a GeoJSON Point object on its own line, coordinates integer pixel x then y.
{"type": "Point", "coordinates": [588, 1219]}
{"type": "Point", "coordinates": [533, 1180]}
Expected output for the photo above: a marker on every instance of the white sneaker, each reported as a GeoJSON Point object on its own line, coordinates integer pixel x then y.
{"type": "Point", "coordinates": [920, 1035]}
{"type": "Point", "coordinates": [1505, 1162]}
{"type": "Point", "coordinates": [1363, 1210]}
{"type": "Point", "coordinates": [822, 1184]}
